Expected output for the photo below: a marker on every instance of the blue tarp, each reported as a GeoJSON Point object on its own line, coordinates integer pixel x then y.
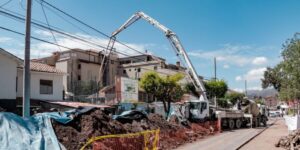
{"type": "Point", "coordinates": [33, 133]}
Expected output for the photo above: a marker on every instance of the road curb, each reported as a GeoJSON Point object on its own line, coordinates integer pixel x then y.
{"type": "Point", "coordinates": [256, 135]}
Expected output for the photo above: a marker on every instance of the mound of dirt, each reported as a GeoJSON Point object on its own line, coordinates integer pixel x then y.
{"type": "Point", "coordinates": [96, 123]}
{"type": "Point", "coordinates": [292, 141]}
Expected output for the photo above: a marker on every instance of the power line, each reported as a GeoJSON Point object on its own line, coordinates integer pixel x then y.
{"type": "Point", "coordinates": [35, 38]}
{"type": "Point", "coordinates": [5, 3]}
{"type": "Point", "coordinates": [45, 41]}
{"type": "Point", "coordinates": [46, 18]}
{"type": "Point", "coordinates": [22, 16]}
{"type": "Point", "coordinates": [89, 26]}
{"type": "Point", "coordinates": [54, 30]}
{"type": "Point", "coordinates": [60, 32]}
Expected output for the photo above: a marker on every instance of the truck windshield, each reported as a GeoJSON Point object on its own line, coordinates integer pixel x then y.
{"type": "Point", "coordinates": [195, 105]}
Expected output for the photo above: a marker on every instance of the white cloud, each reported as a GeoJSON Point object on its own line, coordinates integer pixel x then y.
{"type": "Point", "coordinates": [259, 60]}
{"type": "Point", "coordinates": [238, 78]}
{"type": "Point", "coordinates": [255, 74]}
{"type": "Point", "coordinates": [5, 39]}
{"type": "Point", "coordinates": [254, 88]}
{"type": "Point", "coordinates": [236, 55]}
{"type": "Point", "coordinates": [239, 90]}
{"type": "Point", "coordinates": [42, 49]}
{"type": "Point", "coordinates": [226, 66]}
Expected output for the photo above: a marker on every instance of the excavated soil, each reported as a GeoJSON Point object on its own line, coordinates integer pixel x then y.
{"type": "Point", "coordinates": [96, 123]}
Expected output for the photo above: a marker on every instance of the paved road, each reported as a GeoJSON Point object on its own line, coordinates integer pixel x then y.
{"type": "Point", "coordinates": [228, 140]}
{"type": "Point", "coordinates": [268, 138]}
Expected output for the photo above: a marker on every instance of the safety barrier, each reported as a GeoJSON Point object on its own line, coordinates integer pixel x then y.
{"type": "Point", "coordinates": [145, 140]}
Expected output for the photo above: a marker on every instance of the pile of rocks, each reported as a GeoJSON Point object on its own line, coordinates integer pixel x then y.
{"type": "Point", "coordinates": [290, 142]}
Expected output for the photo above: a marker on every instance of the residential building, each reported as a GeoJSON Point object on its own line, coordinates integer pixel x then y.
{"type": "Point", "coordinates": [8, 74]}
{"type": "Point", "coordinates": [46, 81]}
{"type": "Point", "coordinates": [135, 66]}
{"type": "Point", "coordinates": [83, 67]}
{"type": "Point", "coordinates": [271, 101]}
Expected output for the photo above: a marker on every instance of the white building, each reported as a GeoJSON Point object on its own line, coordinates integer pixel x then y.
{"type": "Point", "coordinates": [46, 81]}
{"type": "Point", "coordinates": [8, 75]}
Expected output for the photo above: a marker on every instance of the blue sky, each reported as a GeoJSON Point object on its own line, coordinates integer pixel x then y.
{"type": "Point", "coordinates": [245, 35]}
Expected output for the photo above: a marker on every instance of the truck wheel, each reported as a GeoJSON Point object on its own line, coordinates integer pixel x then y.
{"type": "Point", "coordinates": [238, 123]}
{"type": "Point", "coordinates": [264, 121]}
{"type": "Point", "coordinates": [231, 124]}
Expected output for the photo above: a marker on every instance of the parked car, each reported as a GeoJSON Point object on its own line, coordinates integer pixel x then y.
{"type": "Point", "coordinates": [272, 114]}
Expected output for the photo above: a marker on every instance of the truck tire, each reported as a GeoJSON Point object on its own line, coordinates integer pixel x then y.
{"type": "Point", "coordinates": [231, 124]}
{"type": "Point", "coordinates": [238, 123]}
{"type": "Point", "coordinates": [264, 121]}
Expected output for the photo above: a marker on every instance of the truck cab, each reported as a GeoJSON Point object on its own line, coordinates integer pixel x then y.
{"type": "Point", "coordinates": [199, 110]}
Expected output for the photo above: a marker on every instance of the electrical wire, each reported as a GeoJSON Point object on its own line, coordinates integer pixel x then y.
{"type": "Point", "coordinates": [21, 18]}
{"type": "Point", "coordinates": [89, 26]}
{"type": "Point", "coordinates": [53, 30]}
{"type": "Point", "coordinates": [35, 38]}
{"type": "Point", "coordinates": [45, 41]}
{"type": "Point", "coordinates": [98, 31]}
{"type": "Point", "coordinates": [2, 5]}
{"type": "Point", "coordinates": [48, 24]}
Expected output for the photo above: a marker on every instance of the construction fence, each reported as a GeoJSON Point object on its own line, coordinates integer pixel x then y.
{"type": "Point", "coordinates": [145, 140]}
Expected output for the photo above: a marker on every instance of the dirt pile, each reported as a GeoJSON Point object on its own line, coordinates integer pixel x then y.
{"type": "Point", "coordinates": [290, 142]}
{"type": "Point", "coordinates": [96, 123]}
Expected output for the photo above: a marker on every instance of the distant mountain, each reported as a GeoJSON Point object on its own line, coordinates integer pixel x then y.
{"type": "Point", "coordinates": [262, 93]}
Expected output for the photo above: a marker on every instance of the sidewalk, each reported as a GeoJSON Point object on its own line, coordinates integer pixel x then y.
{"type": "Point", "coordinates": [268, 138]}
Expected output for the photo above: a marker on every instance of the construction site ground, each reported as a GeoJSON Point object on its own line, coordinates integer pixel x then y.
{"type": "Point", "coordinates": [268, 138]}
{"type": "Point", "coordinates": [253, 138]}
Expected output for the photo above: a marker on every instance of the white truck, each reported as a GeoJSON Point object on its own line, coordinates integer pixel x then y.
{"type": "Point", "coordinates": [251, 114]}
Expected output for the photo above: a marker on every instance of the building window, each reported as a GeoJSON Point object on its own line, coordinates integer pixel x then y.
{"type": "Point", "coordinates": [79, 66]}
{"type": "Point", "coordinates": [139, 70]}
{"type": "Point", "coordinates": [129, 69]}
{"type": "Point", "coordinates": [155, 68]}
{"type": "Point", "coordinates": [124, 71]}
{"type": "Point", "coordinates": [46, 87]}
{"type": "Point", "coordinates": [78, 77]}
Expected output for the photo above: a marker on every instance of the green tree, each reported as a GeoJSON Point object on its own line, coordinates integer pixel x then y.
{"type": "Point", "coordinates": [233, 97]}
{"type": "Point", "coordinates": [165, 89]}
{"type": "Point", "coordinates": [285, 77]}
{"type": "Point", "coordinates": [190, 88]}
{"type": "Point", "coordinates": [216, 88]}
{"type": "Point", "coordinates": [272, 78]}
{"type": "Point", "coordinates": [223, 102]}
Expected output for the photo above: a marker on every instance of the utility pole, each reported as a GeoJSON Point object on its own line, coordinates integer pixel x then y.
{"type": "Point", "coordinates": [26, 69]}
{"type": "Point", "coordinates": [215, 68]}
{"type": "Point", "coordinates": [245, 87]}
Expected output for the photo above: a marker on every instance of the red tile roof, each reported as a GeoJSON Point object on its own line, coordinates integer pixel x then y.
{"type": "Point", "coordinates": [35, 66]}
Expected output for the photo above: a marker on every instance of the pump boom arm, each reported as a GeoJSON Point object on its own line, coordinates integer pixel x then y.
{"type": "Point", "coordinates": [176, 44]}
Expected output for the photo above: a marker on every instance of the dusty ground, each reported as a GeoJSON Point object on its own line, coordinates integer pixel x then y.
{"type": "Point", "coordinates": [227, 140]}
{"type": "Point", "coordinates": [268, 138]}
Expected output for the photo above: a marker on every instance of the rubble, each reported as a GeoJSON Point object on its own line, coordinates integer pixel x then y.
{"type": "Point", "coordinates": [96, 123]}
{"type": "Point", "coordinates": [290, 142]}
